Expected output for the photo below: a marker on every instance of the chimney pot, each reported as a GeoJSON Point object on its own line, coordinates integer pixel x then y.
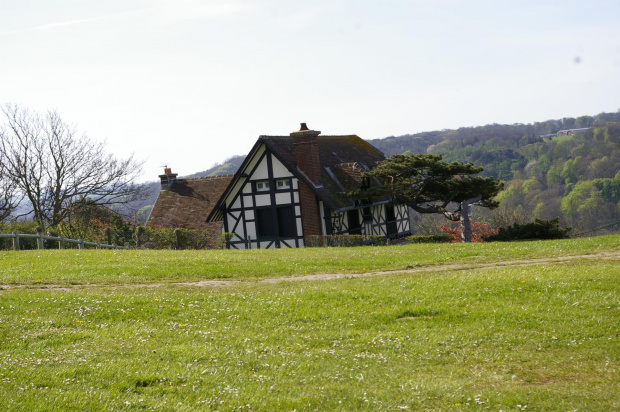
{"type": "Point", "coordinates": [303, 127]}
{"type": "Point", "coordinates": [167, 178]}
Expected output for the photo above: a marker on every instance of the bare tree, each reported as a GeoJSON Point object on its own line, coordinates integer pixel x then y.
{"type": "Point", "coordinates": [54, 166]}
{"type": "Point", "coordinates": [8, 194]}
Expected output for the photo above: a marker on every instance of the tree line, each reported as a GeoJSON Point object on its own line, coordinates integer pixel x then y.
{"type": "Point", "coordinates": [60, 179]}
{"type": "Point", "coordinates": [574, 178]}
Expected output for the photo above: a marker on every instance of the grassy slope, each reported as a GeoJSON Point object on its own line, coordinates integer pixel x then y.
{"type": "Point", "coordinates": [545, 336]}
{"type": "Point", "coordinates": [145, 266]}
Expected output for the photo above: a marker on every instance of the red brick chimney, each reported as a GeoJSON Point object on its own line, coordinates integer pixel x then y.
{"type": "Point", "coordinates": [307, 153]}
{"type": "Point", "coordinates": [306, 146]}
{"type": "Point", "coordinates": [167, 178]}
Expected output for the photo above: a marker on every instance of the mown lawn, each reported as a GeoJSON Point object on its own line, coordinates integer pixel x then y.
{"type": "Point", "coordinates": [148, 266]}
{"type": "Point", "coordinates": [538, 337]}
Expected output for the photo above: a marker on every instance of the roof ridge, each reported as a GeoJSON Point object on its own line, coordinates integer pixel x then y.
{"type": "Point", "coordinates": [205, 177]}
{"type": "Point", "coordinates": [321, 135]}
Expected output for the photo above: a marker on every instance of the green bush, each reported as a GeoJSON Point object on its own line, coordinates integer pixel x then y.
{"type": "Point", "coordinates": [538, 230]}
{"type": "Point", "coordinates": [25, 227]}
{"type": "Point", "coordinates": [222, 240]}
{"type": "Point", "coordinates": [150, 238]}
{"type": "Point", "coordinates": [429, 239]}
{"type": "Point", "coordinates": [344, 241]}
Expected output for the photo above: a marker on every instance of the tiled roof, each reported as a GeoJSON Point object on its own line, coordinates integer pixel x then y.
{"type": "Point", "coordinates": [343, 161]}
{"type": "Point", "coordinates": [187, 202]}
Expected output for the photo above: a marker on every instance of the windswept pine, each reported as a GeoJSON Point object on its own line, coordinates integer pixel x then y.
{"type": "Point", "coordinates": [428, 185]}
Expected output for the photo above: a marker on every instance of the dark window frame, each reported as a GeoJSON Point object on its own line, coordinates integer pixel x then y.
{"type": "Point", "coordinates": [354, 224]}
{"type": "Point", "coordinates": [281, 225]}
{"type": "Point", "coordinates": [265, 189]}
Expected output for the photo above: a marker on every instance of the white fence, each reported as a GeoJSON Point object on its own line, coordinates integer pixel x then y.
{"type": "Point", "coordinates": [61, 241]}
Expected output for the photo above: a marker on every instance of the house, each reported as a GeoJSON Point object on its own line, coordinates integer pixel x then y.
{"type": "Point", "coordinates": [186, 203]}
{"type": "Point", "coordinates": [571, 132]}
{"type": "Point", "coordinates": [290, 188]}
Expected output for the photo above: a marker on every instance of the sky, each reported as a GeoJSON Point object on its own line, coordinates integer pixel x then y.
{"type": "Point", "coordinates": [189, 83]}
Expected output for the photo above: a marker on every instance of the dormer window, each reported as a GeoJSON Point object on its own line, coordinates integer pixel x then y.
{"type": "Point", "coordinates": [262, 186]}
{"type": "Point", "coordinates": [283, 184]}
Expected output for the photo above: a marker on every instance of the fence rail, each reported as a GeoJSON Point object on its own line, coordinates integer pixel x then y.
{"type": "Point", "coordinates": [61, 241]}
{"type": "Point", "coordinates": [611, 226]}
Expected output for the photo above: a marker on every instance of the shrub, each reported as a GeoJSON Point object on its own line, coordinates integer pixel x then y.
{"type": "Point", "coordinates": [141, 236]}
{"type": "Point", "coordinates": [119, 234]}
{"type": "Point", "coordinates": [538, 230]}
{"type": "Point", "coordinates": [479, 231]}
{"type": "Point", "coordinates": [25, 227]}
{"type": "Point", "coordinates": [222, 240]}
{"type": "Point", "coordinates": [344, 241]}
{"type": "Point", "coordinates": [150, 238]}
{"type": "Point", "coordinates": [429, 239]}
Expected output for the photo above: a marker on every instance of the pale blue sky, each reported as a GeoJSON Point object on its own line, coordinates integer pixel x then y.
{"type": "Point", "coordinates": [191, 82]}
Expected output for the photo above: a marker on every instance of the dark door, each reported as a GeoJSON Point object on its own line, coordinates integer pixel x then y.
{"type": "Point", "coordinates": [265, 224]}
{"type": "Point", "coordinates": [390, 217]}
{"type": "Point", "coordinates": [354, 222]}
{"type": "Point", "coordinates": [286, 222]}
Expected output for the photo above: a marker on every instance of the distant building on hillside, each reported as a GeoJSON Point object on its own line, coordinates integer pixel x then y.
{"type": "Point", "coordinates": [571, 132]}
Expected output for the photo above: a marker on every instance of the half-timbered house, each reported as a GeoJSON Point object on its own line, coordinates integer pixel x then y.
{"type": "Point", "coordinates": [290, 188]}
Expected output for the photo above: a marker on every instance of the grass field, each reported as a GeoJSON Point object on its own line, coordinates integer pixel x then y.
{"type": "Point", "coordinates": [496, 326]}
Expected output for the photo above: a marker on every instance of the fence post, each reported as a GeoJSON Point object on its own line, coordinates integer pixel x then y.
{"type": "Point", "coordinates": [80, 244]}
{"type": "Point", "coordinates": [61, 242]}
{"type": "Point", "coordinates": [16, 241]}
{"type": "Point", "coordinates": [40, 243]}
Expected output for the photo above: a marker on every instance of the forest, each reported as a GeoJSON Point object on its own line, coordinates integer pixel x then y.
{"type": "Point", "coordinates": [574, 177]}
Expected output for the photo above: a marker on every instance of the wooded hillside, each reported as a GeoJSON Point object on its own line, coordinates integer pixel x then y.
{"type": "Point", "coordinates": [228, 166]}
{"type": "Point", "coordinates": [574, 177]}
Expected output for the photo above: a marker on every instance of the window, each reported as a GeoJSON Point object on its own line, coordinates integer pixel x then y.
{"type": "Point", "coordinates": [266, 223]}
{"type": "Point", "coordinates": [283, 184]}
{"type": "Point", "coordinates": [262, 186]}
{"type": "Point", "coordinates": [286, 222]}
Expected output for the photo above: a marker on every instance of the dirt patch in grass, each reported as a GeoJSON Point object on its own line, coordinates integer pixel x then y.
{"type": "Point", "coordinates": [607, 256]}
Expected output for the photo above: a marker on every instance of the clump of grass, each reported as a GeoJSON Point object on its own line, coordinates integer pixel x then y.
{"type": "Point", "coordinates": [418, 313]}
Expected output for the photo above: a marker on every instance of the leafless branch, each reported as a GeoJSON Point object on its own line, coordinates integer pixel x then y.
{"type": "Point", "coordinates": [54, 166]}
